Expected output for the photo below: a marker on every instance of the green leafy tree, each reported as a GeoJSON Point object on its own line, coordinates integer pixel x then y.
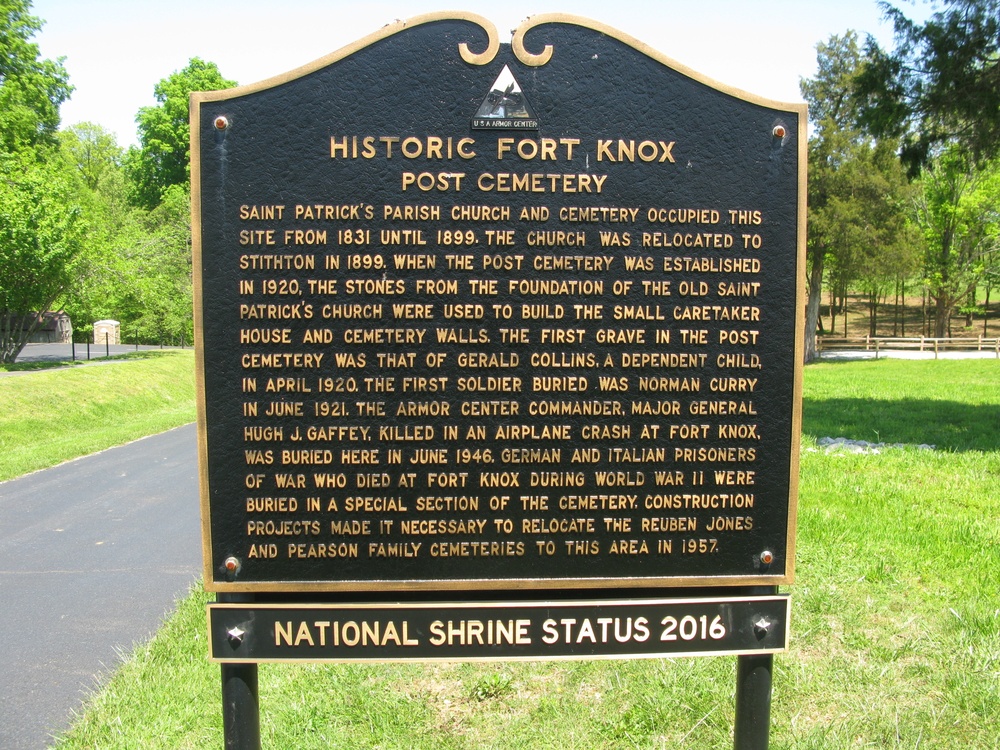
{"type": "Point", "coordinates": [40, 216]}
{"type": "Point", "coordinates": [958, 214]}
{"type": "Point", "coordinates": [887, 244]}
{"type": "Point", "coordinates": [136, 264]}
{"type": "Point", "coordinates": [163, 160]}
{"type": "Point", "coordinates": [93, 151]}
{"type": "Point", "coordinates": [93, 155]}
{"type": "Point", "coordinates": [856, 192]}
{"type": "Point", "coordinates": [939, 91]}
{"type": "Point", "coordinates": [31, 89]}
{"type": "Point", "coordinates": [830, 108]}
{"type": "Point", "coordinates": [863, 225]}
{"type": "Point", "coordinates": [940, 84]}
{"type": "Point", "coordinates": [159, 261]}
{"type": "Point", "coordinates": [41, 236]}
{"type": "Point", "coordinates": [991, 279]}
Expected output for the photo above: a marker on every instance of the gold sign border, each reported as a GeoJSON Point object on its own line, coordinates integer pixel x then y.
{"type": "Point", "coordinates": [797, 109]}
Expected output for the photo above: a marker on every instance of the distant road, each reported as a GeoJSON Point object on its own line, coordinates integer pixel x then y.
{"type": "Point", "coordinates": [58, 352]}
{"type": "Point", "coordinates": [93, 555]}
{"type": "Point", "coordinates": [898, 354]}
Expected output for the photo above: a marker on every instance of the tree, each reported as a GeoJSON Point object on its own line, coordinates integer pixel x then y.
{"type": "Point", "coordinates": [135, 266]}
{"type": "Point", "coordinates": [958, 213]}
{"type": "Point", "coordinates": [857, 192]}
{"type": "Point", "coordinates": [154, 287]}
{"type": "Point", "coordinates": [163, 157]}
{"type": "Point", "coordinates": [31, 89]}
{"type": "Point", "coordinates": [991, 279]}
{"type": "Point", "coordinates": [41, 234]}
{"type": "Point", "coordinates": [873, 204]}
{"type": "Point", "coordinates": [940, 84]}
{"type": "Point", "coordinates": [830, 108]}
{"type": "Point", "coordinates": [94, 153]}
{"type": "Point", "coordinates": [40, 218]}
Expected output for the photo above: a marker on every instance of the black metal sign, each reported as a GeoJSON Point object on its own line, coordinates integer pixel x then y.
{"type": "Point", "coordinates": [472, 315]}
{"type": "Point", "coordinates": [481, 631]}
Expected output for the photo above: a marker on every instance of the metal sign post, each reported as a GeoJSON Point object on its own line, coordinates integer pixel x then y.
{"type": "Point", "coordinates": [240, 695]}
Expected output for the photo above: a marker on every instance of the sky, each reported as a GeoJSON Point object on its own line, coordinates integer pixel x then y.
{"type": "Point", "coordinates": [117, 50]}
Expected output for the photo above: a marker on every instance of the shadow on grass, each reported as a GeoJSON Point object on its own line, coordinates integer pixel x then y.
{"type": "Point", "coordinates": [40, 364]}
{"type": "Point", "coordinates": [147, 354]}
{"type": "Point", "coordinates": [948, 425]}
{"type": "Point", "coordinates": [50, 364]}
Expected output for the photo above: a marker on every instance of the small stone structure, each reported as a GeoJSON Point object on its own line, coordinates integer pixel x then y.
{"type": "Point", "coordinates": [107, 331]}
{"type": "Point", "coordinates": [50, 327]}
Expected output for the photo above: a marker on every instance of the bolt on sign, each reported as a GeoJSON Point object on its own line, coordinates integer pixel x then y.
{"type": "Point", "coordinates": [478, 316]}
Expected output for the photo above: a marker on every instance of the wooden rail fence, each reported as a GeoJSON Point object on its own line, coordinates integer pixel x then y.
{"type": "Point", "coordinates": [880, 344]}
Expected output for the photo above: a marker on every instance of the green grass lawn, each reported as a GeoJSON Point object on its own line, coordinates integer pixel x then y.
{"type": "Point", "coordinates": [895, 625]}
{"type": "Point", "coordinates": [48, 416]}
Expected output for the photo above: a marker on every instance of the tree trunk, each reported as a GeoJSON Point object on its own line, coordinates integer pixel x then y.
{"type": "Point", "coordinates": [942, 317]}
{"type": "Point", "coordinates": [812, 305]}
{"type": "Point", "coordinates": [13, 334]}
{"type": "Point", "coordinates": [872, 313]}
{"type": "Point", "coordinates": [895, 311]}
{"type": "Point", "coordinates": [833, 312]}
{"type": "Point", "coordinates": [843, 298]}
{"type": "Point", "coordinates": [902, 313]}
{"type": "Point", "coordinates": [986, 310]}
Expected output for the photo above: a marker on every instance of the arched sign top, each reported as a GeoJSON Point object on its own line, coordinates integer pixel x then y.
{"type": "Point", "coordinates": [467, 53]}
{"type": "Point", "coordinates": [536, 22]}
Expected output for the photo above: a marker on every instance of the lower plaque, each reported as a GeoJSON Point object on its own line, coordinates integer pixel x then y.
{"type": "Point", "coordinates": [483, 631]}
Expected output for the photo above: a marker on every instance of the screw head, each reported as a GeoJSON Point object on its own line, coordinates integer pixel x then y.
{"type": "Point", "coordinates": [761, 626]}
{"type": "Point", "coordinates": [235, 635]}
{"type": "Point", "coordinates": [779, 131]}
{"type": "Point", "coordinates": [221, 122]}
{"type": "Point", "coordinates": [232, 564]}
{"type": "Point", "coordinates": [767, 557]}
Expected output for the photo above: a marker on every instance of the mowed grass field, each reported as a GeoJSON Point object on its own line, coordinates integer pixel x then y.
{"type": "Point", "coordinates": [895, 630]}
{"type": "Point", "coordinates": [51, 415]}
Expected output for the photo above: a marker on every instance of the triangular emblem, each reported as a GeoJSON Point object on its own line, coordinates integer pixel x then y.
{"type": "Point", "coordinates": [505, 106]}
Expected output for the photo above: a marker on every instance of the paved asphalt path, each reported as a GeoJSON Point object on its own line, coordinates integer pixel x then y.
{"type": "Point", "coordinates": [80, 352]}
{"type": "Point", "coordinates": [94, 554]}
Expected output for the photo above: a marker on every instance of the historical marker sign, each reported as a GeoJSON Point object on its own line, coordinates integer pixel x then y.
{"type": "Point", "coordinates": [479, 316]}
